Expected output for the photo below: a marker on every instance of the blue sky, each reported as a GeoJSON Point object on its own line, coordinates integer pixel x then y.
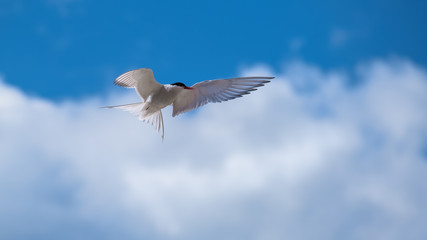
{"type": "Point", "coordinates": [333, 148]}
{"type": "Point", "coordinates": [68, 49]}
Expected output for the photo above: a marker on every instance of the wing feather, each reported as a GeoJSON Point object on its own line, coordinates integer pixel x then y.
{"type": "Point", "coordinates": [126, 80]}
{"type": "Point", "coordinates": [219, 90]}
{"type": "Point", "coordinates": [141, 79]}
{"type": "Point", "coordinates": [156, 120]}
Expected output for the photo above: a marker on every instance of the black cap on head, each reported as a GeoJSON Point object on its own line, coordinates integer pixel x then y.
{"type": "Point", "coordinates": [179, 84]}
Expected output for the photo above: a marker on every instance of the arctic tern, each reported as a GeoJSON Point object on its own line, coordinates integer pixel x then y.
{"type": "Point", "coordinates": [156, 96]}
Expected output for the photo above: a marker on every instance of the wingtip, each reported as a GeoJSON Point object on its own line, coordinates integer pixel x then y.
{"type": "Point", "coordinates": [262, 77]}
{"type": "Point", "coordinates": [268, 79]}
{"type": "Point", "coordinates": [116, 83]}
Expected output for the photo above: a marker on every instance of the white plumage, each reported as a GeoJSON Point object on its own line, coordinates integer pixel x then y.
{"type": "Point", "coordinates": [156, 96]}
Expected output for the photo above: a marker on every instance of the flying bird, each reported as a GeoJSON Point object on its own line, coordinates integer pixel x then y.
{"type": "Point", "coordinates": [156, 96]}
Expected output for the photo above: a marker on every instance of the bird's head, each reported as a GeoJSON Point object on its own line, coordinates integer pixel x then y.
{"type": "Point", "coordinates": [180, 84]}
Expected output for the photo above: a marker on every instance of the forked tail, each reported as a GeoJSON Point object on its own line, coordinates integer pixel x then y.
{"type": "Point", "coordinates": [137, 109]}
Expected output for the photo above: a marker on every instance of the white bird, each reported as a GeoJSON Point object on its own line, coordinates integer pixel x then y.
{"type": "Point", "coordinates": [156, 96]}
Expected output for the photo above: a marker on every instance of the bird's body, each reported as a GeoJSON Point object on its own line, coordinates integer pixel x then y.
{"type": "Point", "coordinates": [156, 96]}
{"type": "Point", "coordinates": [162, 97]}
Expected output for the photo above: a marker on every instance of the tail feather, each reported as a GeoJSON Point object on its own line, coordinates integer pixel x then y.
{"type": "Point", "coordinates": [155, 119]}
{"type": "Point", "coordinates": [134, 108]}
{"type": "Point", "coordinates": [137, 109]}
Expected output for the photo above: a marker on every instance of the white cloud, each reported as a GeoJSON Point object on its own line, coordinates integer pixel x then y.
{"type": "Point", "coordinates": [304, 157]}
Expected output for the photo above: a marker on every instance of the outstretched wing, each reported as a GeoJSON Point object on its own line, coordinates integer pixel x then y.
{"type": "Point", "coordinates": [216, 91]}
{"type": "Point", "coordinates": [141, 79]}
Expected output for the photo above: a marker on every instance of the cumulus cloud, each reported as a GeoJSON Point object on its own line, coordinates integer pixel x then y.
{"type": "Point", "coordinates": [304, 157]}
